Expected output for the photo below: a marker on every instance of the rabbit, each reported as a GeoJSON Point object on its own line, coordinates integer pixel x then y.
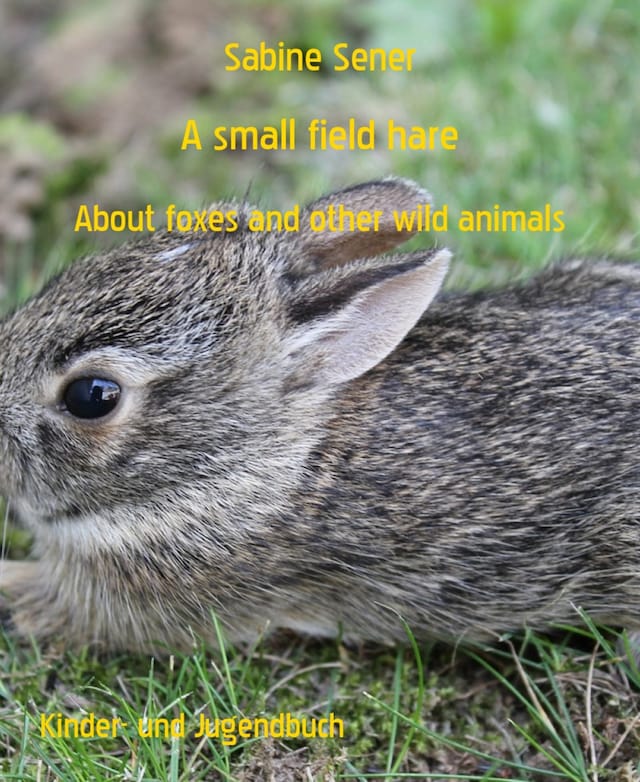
{"type": "Point", "coordinates": [284, 429]}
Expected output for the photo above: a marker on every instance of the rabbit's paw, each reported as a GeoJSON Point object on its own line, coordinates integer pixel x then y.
{"type": "Point", "coordinates": [628, 648]}
{"type": "Point", "coordinates": [6, 616]}
{"type": "Point", "coordinates": [17, 581]}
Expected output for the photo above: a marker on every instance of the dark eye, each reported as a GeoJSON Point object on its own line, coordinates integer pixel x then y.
{"type": "Point", "coordinates": [91, 397]}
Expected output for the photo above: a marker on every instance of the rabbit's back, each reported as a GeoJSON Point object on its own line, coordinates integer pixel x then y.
{"type": "Point", "coordinates": [487, 473]}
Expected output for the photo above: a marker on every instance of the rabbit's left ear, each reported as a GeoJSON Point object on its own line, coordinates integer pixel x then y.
{"type": "Point", "coordinates": [347, 319]}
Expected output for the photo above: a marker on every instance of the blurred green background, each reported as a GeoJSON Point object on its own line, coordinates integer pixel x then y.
{"type": "Point", "coordinates": [94, 98]}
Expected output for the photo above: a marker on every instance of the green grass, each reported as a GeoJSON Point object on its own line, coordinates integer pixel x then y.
{"type": "Point", "coordinates": [538, 710]}
{"type": "Point", "coordinates": [545, 98]}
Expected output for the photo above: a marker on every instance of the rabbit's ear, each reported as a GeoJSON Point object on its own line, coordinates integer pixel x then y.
{"type": "Point", "coordinates": [379, 203]}
{"type": "Point", "coordinates": [349, 319]}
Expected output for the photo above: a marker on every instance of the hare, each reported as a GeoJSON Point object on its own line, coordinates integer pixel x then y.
{"type": "Point", "coordinates": [285, 429]}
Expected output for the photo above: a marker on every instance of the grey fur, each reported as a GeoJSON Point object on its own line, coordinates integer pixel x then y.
{"type": "Point", "coordinates": [278, 457]}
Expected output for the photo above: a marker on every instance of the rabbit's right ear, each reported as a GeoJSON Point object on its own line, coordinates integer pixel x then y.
{"type": "Point", "coordinates": [383, 201]}
{"type": "Point", "coordinates": [348, 319]}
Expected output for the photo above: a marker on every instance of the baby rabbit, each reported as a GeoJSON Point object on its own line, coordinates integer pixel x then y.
{"type": "Point", "coordinates": [270, 427]}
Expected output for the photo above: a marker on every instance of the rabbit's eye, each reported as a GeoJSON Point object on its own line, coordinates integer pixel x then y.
{"type": "Point", "coordinates": [92, 397]}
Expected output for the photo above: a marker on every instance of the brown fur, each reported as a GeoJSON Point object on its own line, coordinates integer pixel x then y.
{"type": "Point", "coordinates": [293, 449]}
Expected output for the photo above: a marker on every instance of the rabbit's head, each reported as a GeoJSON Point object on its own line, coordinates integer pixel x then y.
{"type": "Point", "coordinates": [195, 370]}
